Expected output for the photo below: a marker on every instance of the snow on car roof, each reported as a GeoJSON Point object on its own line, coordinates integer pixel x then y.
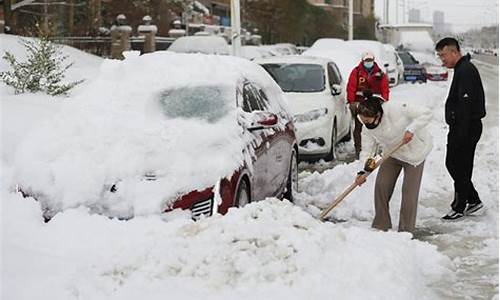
{"type": "Point", "coordinates": [116, 130]}
{"type": "Point", "coordinates": [200, 44]}
{"type": "Point", "coordinates": [293, 59]}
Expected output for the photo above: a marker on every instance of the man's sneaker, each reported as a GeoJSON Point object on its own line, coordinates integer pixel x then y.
{"type": "Point", "coordinates": [453, 216]}
{"type": "Point", "coordinates": [472, 208]}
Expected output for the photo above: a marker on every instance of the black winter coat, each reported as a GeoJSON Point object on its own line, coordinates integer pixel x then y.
{"type": "Point", "coordinates": [465, 102]}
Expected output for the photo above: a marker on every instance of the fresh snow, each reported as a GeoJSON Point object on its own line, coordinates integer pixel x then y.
{"type": "Point", "coordinates": [269, 249]}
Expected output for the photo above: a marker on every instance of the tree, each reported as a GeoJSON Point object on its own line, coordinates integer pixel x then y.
{"type": "Point", "coordinates": [43, 71]}
{"type": "Point", "coordinates": [295, 21]}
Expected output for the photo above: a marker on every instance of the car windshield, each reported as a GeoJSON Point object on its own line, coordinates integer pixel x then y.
{"type": "Point", "coordinates": [298, 77]}
{"type": "Point", "coordinates": [210, 103]}
{"type": "Point", "coordinates": [407, 58]}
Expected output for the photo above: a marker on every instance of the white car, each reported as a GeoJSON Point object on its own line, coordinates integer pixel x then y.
{"type": "Point", "coordinates": [328, 44]}
{"type": "Point", "coordinates": [395, 63]}
{"type": "Point", "coordinates": [200, 44]}
{"type": "Point", "coordinates": [314, 89]}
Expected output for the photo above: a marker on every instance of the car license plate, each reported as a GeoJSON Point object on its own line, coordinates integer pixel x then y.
{"type": "Point", "coordinates": [411, 78]}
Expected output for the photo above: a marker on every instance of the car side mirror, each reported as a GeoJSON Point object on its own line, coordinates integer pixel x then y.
{"type": "Point", "coordinates": [336, 89]}
{"type": "Point", "coordinates": [417, 62]}
{"type": "Point", "coordinates": [262, 120]}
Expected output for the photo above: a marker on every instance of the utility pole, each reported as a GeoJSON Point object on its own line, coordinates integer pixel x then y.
{"type": "Point", "coordinates": [45, 24]}
{"type": "Point", "coordinates": [351, 25]}
{"type": "Point", "coordinates": [235, 27]}
{"type": "Point", "coordinates": [404, 11]}
{"type": "Point", "coordinates": [397, 11]}
{"type": "Point", "coordinates": [386, 11]}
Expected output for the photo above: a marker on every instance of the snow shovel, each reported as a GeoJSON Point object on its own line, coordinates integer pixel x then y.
{"type": "Point", "coordinates": [349, 189]}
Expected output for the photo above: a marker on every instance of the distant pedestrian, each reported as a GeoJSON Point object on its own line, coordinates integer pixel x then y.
{"type": "Point", "coordinates": [464, 110]}
{"type": "Point", "coordinates": [387, 124]}
{"type": "Point", "coordinates": [366, 79]}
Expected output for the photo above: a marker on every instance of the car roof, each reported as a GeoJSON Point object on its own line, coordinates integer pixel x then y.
{"type": "Point", "coordinates": [294, 59]}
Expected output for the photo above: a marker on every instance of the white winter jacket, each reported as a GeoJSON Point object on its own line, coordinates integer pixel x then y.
{"type": "Point", "coordinates": [397, 118]}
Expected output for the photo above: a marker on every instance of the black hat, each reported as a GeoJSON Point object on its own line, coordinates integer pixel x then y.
{"type": "Point", "coordinates": [371, 107]}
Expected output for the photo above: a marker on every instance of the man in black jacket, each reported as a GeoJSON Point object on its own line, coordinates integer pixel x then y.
{"type": "Point", "coordinates": [464, 110]}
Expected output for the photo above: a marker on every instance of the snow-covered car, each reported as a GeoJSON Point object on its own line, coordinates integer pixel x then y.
{"type": "Point", "coordinates": [414, 71]}
{"type": "Point", "coordinates": [207, 44]}
{"type": "Point", "coordinates": [395, 63]}
{"type": "Point", "coordinates": [345, 60]}
{"type": "Point", "coordinates": [328, 44]}
{"type": "Point", "coordinates": [210, 133]}
{"type": "Point", "coordinates": [315, 94]}
{"type": "Point", "coordinates": [281, 49]}
{"type": "Point", "coordinates": [435, 72]}
{"type": "Point", "coordinates": [252, 52]}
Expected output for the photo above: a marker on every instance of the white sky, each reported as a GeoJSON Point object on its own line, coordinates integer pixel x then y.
{"type": "Point", "coordinates": [461, 14]}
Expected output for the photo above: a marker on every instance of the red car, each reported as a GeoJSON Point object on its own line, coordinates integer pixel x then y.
{"type": "Point", "coordinates": [191, 131]}
{"type": "Point", "coordinates": [436, 73]}
{"type": "Point", "coordinates": [273, 170]}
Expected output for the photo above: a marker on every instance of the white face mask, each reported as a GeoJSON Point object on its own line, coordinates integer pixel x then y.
{"type": "Point", "coordinates": [368, 64]}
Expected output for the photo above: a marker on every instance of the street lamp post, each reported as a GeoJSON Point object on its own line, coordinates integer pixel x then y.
{"type": "Point", "coordinates": [351, 12]}
{"type": "Point", "coordinates": [235, 27]}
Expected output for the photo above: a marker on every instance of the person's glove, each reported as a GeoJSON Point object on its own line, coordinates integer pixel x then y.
{"type": "Point", "coordinates": [370, 164]}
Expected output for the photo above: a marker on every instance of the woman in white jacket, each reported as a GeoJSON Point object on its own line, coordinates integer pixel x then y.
{"type": "Point", "coordinates": [388, 123]}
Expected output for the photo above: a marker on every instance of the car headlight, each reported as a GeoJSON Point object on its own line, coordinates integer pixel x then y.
{"type": "Point", "coordinates": [310, 115]}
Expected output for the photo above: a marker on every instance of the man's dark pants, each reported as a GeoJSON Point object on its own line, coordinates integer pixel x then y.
{"type": "Point", "coordinates": [460, 162]}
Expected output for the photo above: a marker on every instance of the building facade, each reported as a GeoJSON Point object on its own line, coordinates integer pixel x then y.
{"type": "Point", "coordinates": [340, 9]}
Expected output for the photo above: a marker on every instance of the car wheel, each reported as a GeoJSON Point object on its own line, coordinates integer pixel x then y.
{"type": "Point", "coordinates": [292, 184]}
{"type": "Point", "coordinates": [242, 194]}
{"type": "Point", "coordinates": [331, 155]}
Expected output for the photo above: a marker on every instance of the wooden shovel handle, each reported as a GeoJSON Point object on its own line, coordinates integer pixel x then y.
{"type": "Point", "coordinates": [350, 188]}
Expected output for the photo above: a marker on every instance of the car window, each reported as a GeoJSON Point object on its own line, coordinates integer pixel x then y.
{"type": "Point", "coordinates": [297, 77]}
{"type": "Point", "coordinates": [407, 58]}
{"type": "Point", "coordinates": [334, 74]}
{"type": "Point", "coordinates": [210, 103]}
{"type": "Point", "coordinates": [252, 99]}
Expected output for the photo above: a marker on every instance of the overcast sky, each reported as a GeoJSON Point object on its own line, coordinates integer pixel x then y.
{"type": "Point", "coordinates": [461, 14]}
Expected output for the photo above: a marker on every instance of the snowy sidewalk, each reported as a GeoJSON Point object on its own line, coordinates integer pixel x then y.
{"type": "Point", "coordinates": [472, 244]}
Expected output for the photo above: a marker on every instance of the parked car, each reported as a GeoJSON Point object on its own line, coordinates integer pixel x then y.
{"type": "Point", "coordinates": [211, 133]}
{"type": "Point", "coordinates": [314, 90]}
{"type": "Point", "coordinates": [253, 52]}
{"type": "Point", "coordinates": [435, 72]}
{"type": "Point", "coordinates": [414, 71]}
{"type": "Point", "coordinates": [345, 60]}
{"type": "Point", "coordinates": [394, 63]}
{"type": "Point", "coordinates": [281, 49]}
{"type": "Point", "coordinates": [328, 44]}
{"type": "Point", "coordinates": [207, 44]}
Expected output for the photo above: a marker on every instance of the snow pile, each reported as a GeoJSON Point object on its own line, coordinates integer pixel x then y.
{"type": "Point", "coordinates": [269, 250]}
{"type": "Point", "coordinates": [85, 65]}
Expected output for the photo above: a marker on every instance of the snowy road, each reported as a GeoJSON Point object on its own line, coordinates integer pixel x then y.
{"type": "Point", "coordinates": [471, 244]}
